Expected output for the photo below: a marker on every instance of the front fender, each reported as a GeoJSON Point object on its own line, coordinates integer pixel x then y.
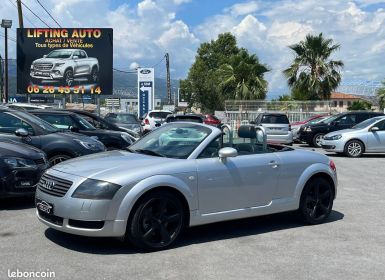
{"type": "Point", "coordinates": [143, 186]}
{"type": "Point", "coordinates": [310, 171]}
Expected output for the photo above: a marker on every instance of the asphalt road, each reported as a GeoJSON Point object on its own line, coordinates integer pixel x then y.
{"type": "Point", "coordinates": [351, 245]}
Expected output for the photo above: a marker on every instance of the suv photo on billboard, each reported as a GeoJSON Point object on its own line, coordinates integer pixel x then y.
{"type": "Point", "coordinates": [64, 66]}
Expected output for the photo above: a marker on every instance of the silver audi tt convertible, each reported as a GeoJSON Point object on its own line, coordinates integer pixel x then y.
{"type": "Point", "coordinates": [180, 175]}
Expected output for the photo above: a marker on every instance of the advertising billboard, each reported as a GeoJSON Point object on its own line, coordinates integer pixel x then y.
{"type": "Point", "coordinates": [64, 61]}
{"type": "Point", "coordinates": [145, 90]}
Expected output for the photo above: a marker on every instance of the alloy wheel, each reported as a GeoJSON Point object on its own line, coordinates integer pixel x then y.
{"type": "Point", "coordinates": [58, 159]}
{"type": "Point", "coordinates": [318, 139]}
{"type": "Point", "coordinates": [354, 149]}
{"type": "Point", "coordinates": [69, 79]}
{"type": "Point", "coordinates": [160, 222]}
{"type": "Point", "coordinates": [318, 201]}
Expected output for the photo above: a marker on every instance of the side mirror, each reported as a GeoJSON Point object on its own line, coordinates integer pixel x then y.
{"type": "Point", "coordinates": [44, 56]}
{"type": "Point", "coordinates": [75, 57]}
{"type": "Point", "coordinates": [21, 132]}
{"type": "Point", "coordinates": [374, 129]}
{"type": "Point", "coordinates": [227, 152]}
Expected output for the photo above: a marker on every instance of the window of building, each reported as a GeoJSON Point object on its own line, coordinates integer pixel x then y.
{"type": "Point", "coordinates": [341, 103]}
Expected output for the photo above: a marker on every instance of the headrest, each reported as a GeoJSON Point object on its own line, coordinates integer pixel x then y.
{"type": "Point", "coordinates": [247, 131]}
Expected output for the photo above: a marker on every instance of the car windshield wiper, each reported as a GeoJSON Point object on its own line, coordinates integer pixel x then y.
{"type": "Point", "coordinates": [148, 152]}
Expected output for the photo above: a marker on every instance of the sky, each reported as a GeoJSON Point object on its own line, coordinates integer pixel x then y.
{"type": "Point", "coordinates": [144, 30]}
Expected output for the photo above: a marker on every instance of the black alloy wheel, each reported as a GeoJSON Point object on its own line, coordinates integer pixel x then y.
{"type": "Point", "coordinates": [156, 222]}
{"type": "Point", "coordinates": [58, 159]}
{"type": "Point", "coordinates": [317, 201]}
{"type": "Point", "coordinates": [68, 78]}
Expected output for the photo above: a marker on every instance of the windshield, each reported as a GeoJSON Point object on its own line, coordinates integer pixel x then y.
{"type": "Point", "coordinates": [47, 127]}
{"type": "Point", "coordinates": [85, 124]}
{"type": "Point", "coordinates": [59, 54]}
{"type": "Point", "coordinates": [330, 119]}
{"type": "Point", "coordinates": [176, 140]}
{"type": "Point", "coordinates": [366, 123]}
{"type": "Point", "coordinates": [122, 118]}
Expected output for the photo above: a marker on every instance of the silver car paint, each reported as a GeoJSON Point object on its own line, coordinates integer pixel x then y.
{"type": "Point", "coordinates": [373, 141]}
{"type": "Point", "coordinates": [211, 197]}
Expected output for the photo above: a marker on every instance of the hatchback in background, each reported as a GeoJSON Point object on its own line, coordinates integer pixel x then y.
{"type": "Point", "coordinates": [277, 126]}
{"type": "Point", "coordinates": [21, 167]}
{"type": "Point", "coordinates": [154, 119]}
{"type": "Point", "coordinates": [185, 118]}
{"type": "Point", "coordinates": [70, 121]}
{"type": "Point", "coordinates": [314, 133]}
{"type": "Point", "coordinates": [125, 120]}
{"type": "Point", "coordinates": [365, 137]}
{"type": "Point", "coordinates": [26, 128]}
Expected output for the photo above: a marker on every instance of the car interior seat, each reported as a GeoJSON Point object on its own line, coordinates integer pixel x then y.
{"type": "Point", "coordinates": [247, 132]}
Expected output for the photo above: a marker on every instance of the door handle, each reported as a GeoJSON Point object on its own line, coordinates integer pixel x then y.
{"type": "Point", "coordinates": [273, 164]}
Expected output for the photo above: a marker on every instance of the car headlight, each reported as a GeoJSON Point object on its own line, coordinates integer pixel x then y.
{"type": "Point", "coordinates": [96, 189]}
{"type": "Point", "coordinates": [307, 129]}
{"type": "Point", "coordinates": [126, 138]}
{"type": "Point", "coordinates": [16, 163]}
{"type": "Point", "coordinates": [59, 64]}
{"type": "Point", "coordinates": [334, 137]}
{"type": "Point", "coordinates": [89, 145]}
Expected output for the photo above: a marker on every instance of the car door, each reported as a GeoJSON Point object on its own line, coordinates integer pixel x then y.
{"type": "Point", "coordinates": [345, 121]}
{"type": "Point", "coordinates": [248, 180]}
{"type": "Point", "coordinates": [376, 139]}
{"type": "Point", "coordinates": [10, 123]}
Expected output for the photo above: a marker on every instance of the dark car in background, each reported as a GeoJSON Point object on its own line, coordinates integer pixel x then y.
{"type": "Point", "coordinates": [125, 120]}
{"type": "Point", "coordinates": [21, 167]}
{"type": "Point", "coordinates": [314, 133]}
{"type": "Point", "coordinates": [101, 123]}
{"type": "Point", "coordinates": [185, 118]}
{"type": "Point", "coordinates": [70, 121]}
{"type": "Point", "coordinates": [23, 127]}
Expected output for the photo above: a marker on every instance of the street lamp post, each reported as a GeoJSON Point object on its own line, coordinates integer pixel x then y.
{"type": "Point", "coordinates": [6, 23]}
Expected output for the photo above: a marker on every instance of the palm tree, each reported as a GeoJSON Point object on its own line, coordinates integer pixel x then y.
{"type": "Point", "coordinates": [313, 72]}
{"type": "Point", "coordinates": [242, 77]}
{"type": "Point", "coordinates": [381, 95]}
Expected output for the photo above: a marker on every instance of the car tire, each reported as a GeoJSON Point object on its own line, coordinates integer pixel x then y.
{"type": "Point", "coordinates": [68, 78]}
{"type": "Point", "coordinates": [156, 222]}
{"type": "Point", "coordinates": [94, 76]}
{"type": "Point", "coordinates": [316, 201]}
{"type": "Point", "coordinates": [317, 140]}
{"type": "Point", "coordinates": [53, 160]}
{"type": "Point", "coordinates": [354, 148]}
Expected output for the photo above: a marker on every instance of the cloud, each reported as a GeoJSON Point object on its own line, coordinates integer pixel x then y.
{"type": "Point", "coordinates": [134, 65]}
{"type": "Point", "coordinates": [241, 9]}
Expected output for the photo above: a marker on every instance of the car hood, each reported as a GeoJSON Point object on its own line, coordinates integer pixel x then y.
{"type": "Point", "coordinates": [343, 131]}
{"type": "Point", "coordinates": [128, 125]}
{"type": "Point", "coordinates": [13, 149]}
{"type": "Point", "coordinates": [121, 167]}
{"type": "Point", "coordinates": [49, 60]}
{"type": "Point", "coordinates": [73, 135]}
{"type": "Point", "coordinates": [317, 125]}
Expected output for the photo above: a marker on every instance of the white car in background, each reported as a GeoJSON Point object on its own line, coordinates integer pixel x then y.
{"type": "Point", "coordinates": [154, 119]}
{"type": "Point", "coordinates": [365, 137]}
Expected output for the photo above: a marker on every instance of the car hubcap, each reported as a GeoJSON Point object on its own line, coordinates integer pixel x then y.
{"type": "Point", "coordinates": [69, 79]}
{"type": "Point", "coordinates": [318, 201]}
{"type": "Point", "coordinates": [94, 75]}
{"type": "Point", "coordinates": [354, 149]}
{"type": "Point", "coordinates": [160, 222]}
{"type": "Point", "coordinates": [57, 160]}
{"type": "Point", "coordinates": [318, 140]}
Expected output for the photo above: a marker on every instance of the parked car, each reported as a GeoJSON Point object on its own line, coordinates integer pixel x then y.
{"type": "Point", "coordinates": [101, 123]}
{"type": "Point", "coordinates": [65, 120]}
{"type": "Point", "coordinates": [183, 174]}
{"type": "Point", "coordinates": [21, 167]}
{"type": "Point", "coordinates": [64, 66]}
{"type": "Point", "coordinates": [365, 137]}
{"type": "Point", "coordinates": [153, 119]}
{"type": "Point", "coordinates": [185, 118]}
{"type": "Point", "coordinates": [125, 120]}
{"type": "Point", "coordinates": [27, 106]}
{"type": "Point", "coordinates": [23, 127]}
{"type": "Point", "coordinates": [295, 126]}
{"type": "Point", "coordinates": [314, 133]}
{"type": "Point", "coordinates": [277, 126]}
{"type": "Point", "coordinates": [212, 120]}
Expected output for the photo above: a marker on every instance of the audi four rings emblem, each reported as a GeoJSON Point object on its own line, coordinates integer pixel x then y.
{"type": "Point", "coordinates": [48, 185]}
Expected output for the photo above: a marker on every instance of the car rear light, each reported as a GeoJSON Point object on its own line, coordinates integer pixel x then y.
{"type": "Point", "coordinates": [333, 166]}
{"type": "Point", "coordinates": [146, 121]}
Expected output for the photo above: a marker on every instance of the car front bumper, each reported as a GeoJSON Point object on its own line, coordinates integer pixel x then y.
{"type": "Point", "coordinates": [46, 75]}
{"type": "Point", "coordinates": [337, 146]}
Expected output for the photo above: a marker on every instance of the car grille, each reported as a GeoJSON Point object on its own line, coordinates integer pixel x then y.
{"type": "Point", "coordinates": [40, 161]}
{"type": "Point", "coordinates": [43, 66]}
{"type": "Point", "coordinates": [53, 185]}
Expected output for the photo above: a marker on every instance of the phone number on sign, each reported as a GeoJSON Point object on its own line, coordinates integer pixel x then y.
{"type": "Point", "coordinates": [53, 90]}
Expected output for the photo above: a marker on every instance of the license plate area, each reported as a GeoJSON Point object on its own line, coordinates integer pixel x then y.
{"type": "Point", "coordinates": [44, 206]}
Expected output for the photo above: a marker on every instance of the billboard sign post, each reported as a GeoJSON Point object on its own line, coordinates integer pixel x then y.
{"type": "Point", "coordinates": [64, 61]}
{"type": "Point", "coordinates": [145, 90]}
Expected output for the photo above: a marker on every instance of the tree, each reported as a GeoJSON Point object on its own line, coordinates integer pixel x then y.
{"type": "Point", "coordinates": [312, 72]}
{"type": "Point", "coordinates": [223, 71]}
{"type": "Point", "coordinates": [360, 106]}
{"type": "Point", "coordinates": [381, 95]}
